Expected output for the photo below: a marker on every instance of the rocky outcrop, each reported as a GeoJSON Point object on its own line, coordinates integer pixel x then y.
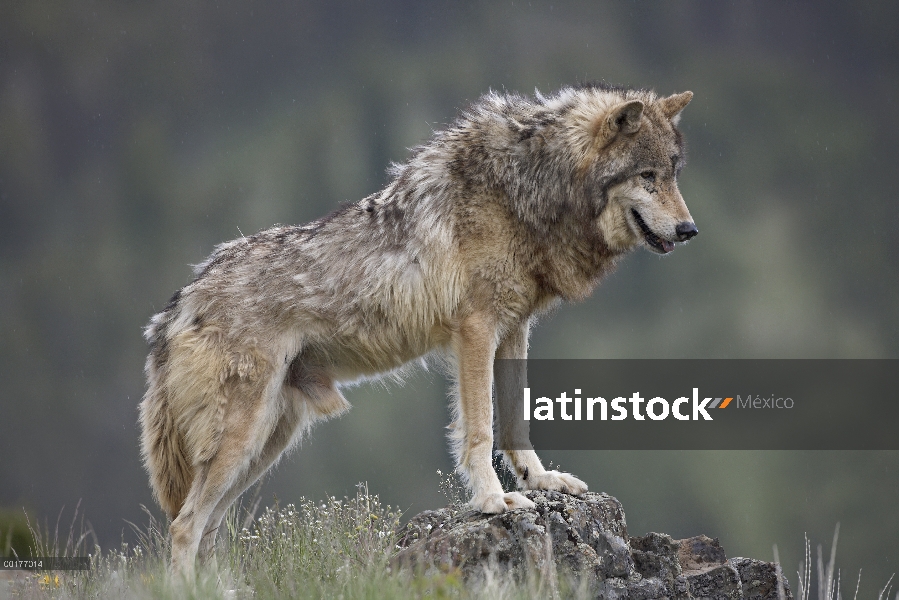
{"type": "Point", "coordinates": [587, 538]}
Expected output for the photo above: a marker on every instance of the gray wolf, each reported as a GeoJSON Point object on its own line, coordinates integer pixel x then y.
{"type": "Point", "coordinates": [519, 204]}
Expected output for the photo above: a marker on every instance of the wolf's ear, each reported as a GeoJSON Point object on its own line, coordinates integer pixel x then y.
{"type": "Point", "coordinates": [673, 105]}
{"type": "Point", "coordinates": [623, 118]}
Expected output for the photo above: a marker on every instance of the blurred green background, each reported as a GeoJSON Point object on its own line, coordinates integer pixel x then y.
{"type": "Point", "coordinates": [135, 136]}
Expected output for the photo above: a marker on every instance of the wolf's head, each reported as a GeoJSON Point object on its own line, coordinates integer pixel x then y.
{"type": "Point", "coordinates": [638, 153]}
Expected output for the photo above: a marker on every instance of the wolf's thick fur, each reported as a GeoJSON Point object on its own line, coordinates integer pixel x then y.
{"type": "Point", "coordinates": [520, 203]}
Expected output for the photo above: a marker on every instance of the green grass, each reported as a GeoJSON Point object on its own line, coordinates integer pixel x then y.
{"type": "Point", "coordinates": [336, 548]}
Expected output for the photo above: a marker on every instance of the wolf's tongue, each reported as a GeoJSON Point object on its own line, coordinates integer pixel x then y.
{"type": "Point", "coordinates": [667, 246]}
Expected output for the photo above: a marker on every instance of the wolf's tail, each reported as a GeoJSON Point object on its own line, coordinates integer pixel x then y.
{"type": "Point", "coordinates": [162, 446]}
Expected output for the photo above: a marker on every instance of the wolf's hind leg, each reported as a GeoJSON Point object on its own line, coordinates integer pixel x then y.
{"type": "Point", "coordinates": [280, 439]}
{"type": "Point", "coordinates": [187, 528]}
{"type": "Point", "coordinates": [301, 409]}
{"type": "Point", "coordinates": [251, 411]}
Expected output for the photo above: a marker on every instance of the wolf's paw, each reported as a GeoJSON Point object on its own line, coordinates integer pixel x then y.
{"type": "Point", "coordinates": [492, 504]}
{"type": "Point", "coordinates": [557, 482]}
{"type": "Point", "coordinates": [515, 500]}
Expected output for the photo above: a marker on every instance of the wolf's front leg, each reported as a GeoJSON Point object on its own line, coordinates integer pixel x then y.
{"type": "Point", "coordinates": [512, 430]}
{"type": "Point", "coordinates": [475, 345]}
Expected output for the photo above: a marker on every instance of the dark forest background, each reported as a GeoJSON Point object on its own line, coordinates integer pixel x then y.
{"type": "Point", "coordinates": [135, 136]}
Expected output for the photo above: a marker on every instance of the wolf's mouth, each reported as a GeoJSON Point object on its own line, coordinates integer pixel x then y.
{"type": "Point", "coordinates": [655, 242]}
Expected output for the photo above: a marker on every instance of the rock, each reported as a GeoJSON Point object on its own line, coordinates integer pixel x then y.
{"type": "Point", "coordinates": [586, 537]}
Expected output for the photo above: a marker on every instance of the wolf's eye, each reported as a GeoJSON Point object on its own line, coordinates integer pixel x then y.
{"type": "Point", "coordinates": [648, 175]}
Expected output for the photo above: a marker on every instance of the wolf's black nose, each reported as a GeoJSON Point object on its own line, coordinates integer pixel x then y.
{"type": "Point", "coordinates": [686, 230]}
